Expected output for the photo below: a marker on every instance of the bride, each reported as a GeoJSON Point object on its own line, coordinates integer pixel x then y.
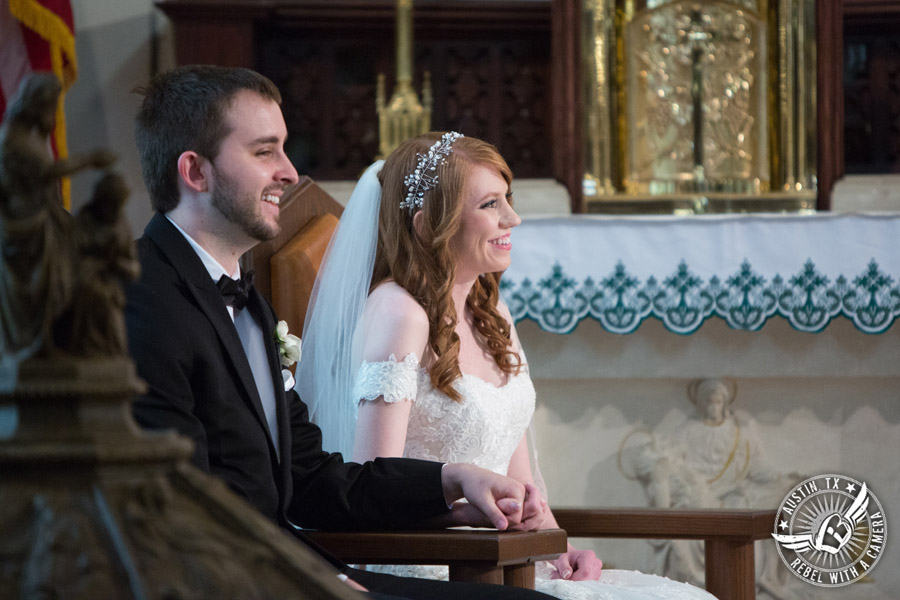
{"type": "Point", "coordinates": [408, 349]}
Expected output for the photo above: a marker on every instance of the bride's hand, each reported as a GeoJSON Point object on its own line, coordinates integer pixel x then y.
{"type": "Point", "coordinates": [534, 511]}
{"type": "Point", "coordinates": [577, 565]}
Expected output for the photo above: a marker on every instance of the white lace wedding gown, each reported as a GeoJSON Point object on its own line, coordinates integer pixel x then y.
{"type": "Point", "coordinates": [484, 429]}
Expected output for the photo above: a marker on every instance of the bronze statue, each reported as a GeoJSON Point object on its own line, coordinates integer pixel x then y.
{"type": "Point", "coordinates": [104, 252]}
{"type": "Point", "coordinates": [35, 230]}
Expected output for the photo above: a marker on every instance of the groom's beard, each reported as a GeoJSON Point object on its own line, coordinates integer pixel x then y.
{"type": "Point", "coordinates": [243, 208]}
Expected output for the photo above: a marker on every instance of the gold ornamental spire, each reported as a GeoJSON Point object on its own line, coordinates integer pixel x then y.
{"type": "Point", "coordinates": [404, 117]}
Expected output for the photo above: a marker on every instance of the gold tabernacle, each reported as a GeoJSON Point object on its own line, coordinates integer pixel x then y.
{"type": "Point", "coordinates": [699, 106]}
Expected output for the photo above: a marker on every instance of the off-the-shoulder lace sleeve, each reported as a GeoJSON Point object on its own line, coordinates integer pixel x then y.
{"type": "Point", "coordinates": [394, 380]}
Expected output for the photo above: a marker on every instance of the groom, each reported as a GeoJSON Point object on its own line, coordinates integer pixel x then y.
{"type": "Point", "coordinates": [211, 142]}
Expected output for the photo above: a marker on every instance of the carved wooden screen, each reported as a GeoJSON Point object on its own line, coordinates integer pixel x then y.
{"type": "Point", "coordinates": [872, 87]}
{"type": "Point", "coordinates": [489, 62]}
{"type": "Point", "coordinates": [492, 85]}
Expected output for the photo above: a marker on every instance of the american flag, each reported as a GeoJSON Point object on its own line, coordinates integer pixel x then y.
{"type": "Point", "coordinates": [38, 35]}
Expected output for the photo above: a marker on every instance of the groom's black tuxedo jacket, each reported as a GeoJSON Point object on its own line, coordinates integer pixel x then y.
{"type": "Point", "coordinates": [187, 349]}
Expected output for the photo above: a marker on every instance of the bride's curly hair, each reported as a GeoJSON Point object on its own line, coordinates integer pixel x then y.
{"type": "Point", "coordinates": [424, 264]}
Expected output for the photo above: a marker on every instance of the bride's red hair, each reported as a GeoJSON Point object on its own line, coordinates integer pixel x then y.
{"type": "Point", "coordinates": [424, 264]}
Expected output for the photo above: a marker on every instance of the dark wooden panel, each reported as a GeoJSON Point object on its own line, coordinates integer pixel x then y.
{"type": "Point", "coordinates": [566, 85]}
{"type": "Point", "coordinates": [492, 87]}
{"type": "Point", "coordinates": [489, 63]}
{"type": "Point", "coordinates": [871, 86]}
{"type": "Point", "coordinates": [195, 42]}
{"type": "Point", "coordinates": [872, 103]}
{"type": "Point", "coordinates": [871, 14]}
{"type": "Point", "coordinates": [214, 32]}
{"type": "Point", "coordinates": [829, 99]}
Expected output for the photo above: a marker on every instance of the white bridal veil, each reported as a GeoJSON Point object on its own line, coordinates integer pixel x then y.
{"type": "Point", "coordinates": [331, 350]}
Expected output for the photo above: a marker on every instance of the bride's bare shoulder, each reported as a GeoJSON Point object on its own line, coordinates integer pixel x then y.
{"type": "Point", "coordinates": [395, 323]}
{"type": "Point", "coordinates": [391, 301]}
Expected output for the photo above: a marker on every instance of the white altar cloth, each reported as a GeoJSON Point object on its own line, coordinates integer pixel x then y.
{"type": "Point", "coordinates": [745, 269]}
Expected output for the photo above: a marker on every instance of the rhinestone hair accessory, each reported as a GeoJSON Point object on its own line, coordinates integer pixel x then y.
{"type": "Point", "coordinates": [425, 176]}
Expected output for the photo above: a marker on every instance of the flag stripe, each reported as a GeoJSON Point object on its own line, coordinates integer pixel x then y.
{"type": "Point", "coordinates": [14, 60]}
{"type": "Point", "coordinates": [56, 28]}
{"type": "Point", "coordinates": [42, 40]}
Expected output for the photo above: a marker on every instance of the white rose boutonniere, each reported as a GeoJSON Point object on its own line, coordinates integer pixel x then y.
{"type": "Point", "coordinates": [288, 344]}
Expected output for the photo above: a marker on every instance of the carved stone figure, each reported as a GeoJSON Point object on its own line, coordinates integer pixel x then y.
{"type": "Point", "coordinates": [93, 325]}
{"type": "Point", "coordinates": [35, 229]}
{"type": "Point", "coordinates": [714, 460]}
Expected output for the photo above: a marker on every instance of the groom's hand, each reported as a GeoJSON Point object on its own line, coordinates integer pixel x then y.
{"type": "Point", "coordinates": [493, 500]}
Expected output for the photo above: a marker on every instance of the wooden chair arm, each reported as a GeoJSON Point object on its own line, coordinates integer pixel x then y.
{"type": "Point", "coordinates": [728, 537]}
{"type": "Point", "coordinates": [654, 523]}
{"type": "Point", "coordinates": [480, 555]}
{"type": "Point", "coordinates": [443, 546]}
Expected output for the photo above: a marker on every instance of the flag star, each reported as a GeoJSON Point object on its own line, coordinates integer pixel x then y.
{"type": "Point", "coordinates": [851, 487]}
{"type": "Point", "coordinates": [783, 524]}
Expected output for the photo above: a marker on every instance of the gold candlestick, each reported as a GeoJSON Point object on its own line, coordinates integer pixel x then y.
{"type": "Point", "coordinates": [404, 116]}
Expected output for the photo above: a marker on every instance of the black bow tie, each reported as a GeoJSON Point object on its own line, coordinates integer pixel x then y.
{"type": "Point", "coordinates": [235, 292]}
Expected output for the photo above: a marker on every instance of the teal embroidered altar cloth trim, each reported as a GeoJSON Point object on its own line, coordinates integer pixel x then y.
{"type": "Point", "coordinates": [745, 269]}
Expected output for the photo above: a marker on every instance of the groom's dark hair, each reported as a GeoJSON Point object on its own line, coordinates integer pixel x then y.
{"type": "Point", "coordinates": [184, 109]}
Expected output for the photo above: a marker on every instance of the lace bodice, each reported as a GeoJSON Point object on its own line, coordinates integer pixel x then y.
{"type": "Point", "coordinates": [483, 429]}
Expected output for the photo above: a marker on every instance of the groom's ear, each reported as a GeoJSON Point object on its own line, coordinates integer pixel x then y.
{"type": "Point", "coordinates": [193, 171]}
